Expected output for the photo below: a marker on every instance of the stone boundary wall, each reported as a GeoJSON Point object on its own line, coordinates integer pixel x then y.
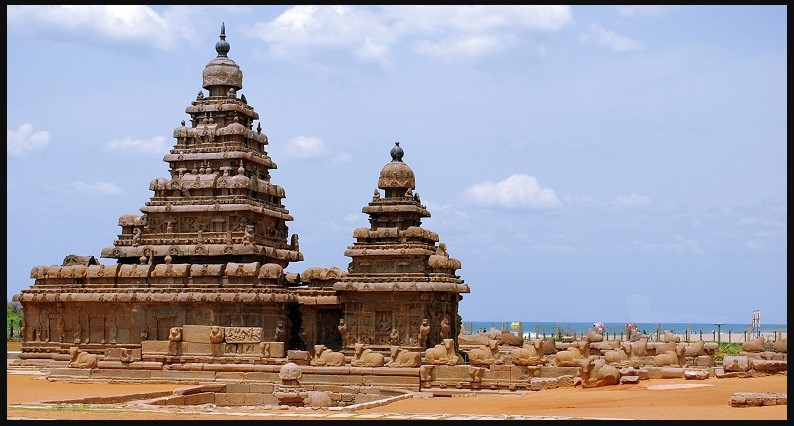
{"type": "Point", "coordinates": [438, 379]}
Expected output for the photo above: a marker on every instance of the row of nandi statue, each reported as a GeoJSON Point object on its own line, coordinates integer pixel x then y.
{"type": "Point", "coordinates": [636, 352]}
{"type": "Point", "coordinates": [363, 356]}
{"type": "Point", "coordinates": [534, 352]}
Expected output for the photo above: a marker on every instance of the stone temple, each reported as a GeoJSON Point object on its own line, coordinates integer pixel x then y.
{"type": "Point", "coordinates": [210, 249]}
{"type": "Point", "coordinates": [197, 292]}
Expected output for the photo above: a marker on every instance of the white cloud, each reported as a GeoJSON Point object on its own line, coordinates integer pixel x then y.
{"type": "Point", "coordinates": [24, 140]}
{"type": "Point", "coordinates": [155, 145]}
{"type": "Point", "coordinates": [305, 147]}
{"type": "Point", "coordinates": [764, 240]}
{"type": "Point", "coordinates": [446, 217]}
{"type": "Point", "coordinates": [370, 32]}
{"type": "Point", "coordinates": [680, 245]}
{"type": "Point", "coordinates": [104, 24]}
{"type": "Point", "coordinates": [304, 29]}
{"type": "Point", "coordinates": [357, 219]}
{"type": "Point", "coordinates": [579, 199]}
{"type": "Point", "coordinates": [431, 19]}
{"type": "Point", "coordinates": [468, 46]}
{"type": "Point", "coordinates": [308, 147]}
{"type": "Point", "coordinates": [631, 200]}
{"type": "Point", "coordinates": [642, 10]}
{"type": "Point", "coordinates": [100, 188]}
{"type": "Point", "coordinates": [610, 40]}
{"type": "Point", "coordinates": [341, 158]}
{"type": "Point", "coordinates": [517, 191]}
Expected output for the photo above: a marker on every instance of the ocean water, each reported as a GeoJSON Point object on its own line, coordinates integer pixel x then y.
{"type": "Point", "coordinates": [708, 330]}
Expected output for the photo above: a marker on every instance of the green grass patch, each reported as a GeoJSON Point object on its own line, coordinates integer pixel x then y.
{"type": "Point", "coordinates": [727, 349]}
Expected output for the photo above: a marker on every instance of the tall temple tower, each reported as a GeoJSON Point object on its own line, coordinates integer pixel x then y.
{"type": "Point", "coordinates": [219, 204]}
{"type": "Point", "coordinates": [209, 248]}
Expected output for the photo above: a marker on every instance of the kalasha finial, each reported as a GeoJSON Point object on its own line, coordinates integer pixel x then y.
{"type": "Point", "coordinates": [222, 46]}
{"type": "Point", "coordinates": [397, 152]}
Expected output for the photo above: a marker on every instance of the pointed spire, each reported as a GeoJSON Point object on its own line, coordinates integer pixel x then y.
{"type": "Point", "coordinates": [222, 46]}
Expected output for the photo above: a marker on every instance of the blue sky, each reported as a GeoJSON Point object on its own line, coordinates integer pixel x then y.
{"type": "Point", "coordinates": [584, 163]}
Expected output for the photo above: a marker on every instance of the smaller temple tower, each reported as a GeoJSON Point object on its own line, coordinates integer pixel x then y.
{"type": "Point", "coordinates": [399, 281]}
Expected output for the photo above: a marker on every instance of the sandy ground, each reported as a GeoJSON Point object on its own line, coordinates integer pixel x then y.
{"type": "Point", "coordinates": [702, 400]}
{"type": "Point", "coordinates": [711, 402]}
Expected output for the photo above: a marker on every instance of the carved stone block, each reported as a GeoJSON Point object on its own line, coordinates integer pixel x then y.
{"type": "Point", "coordinates": [273, 349]}
{"type": "Point", "coordinates": [243, 334]}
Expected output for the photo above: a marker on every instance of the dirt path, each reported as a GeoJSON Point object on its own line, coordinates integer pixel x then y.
{"type": "Point", "coordinates": [709, 402]}
{"type": "Point", "coordinates": [701, 400]}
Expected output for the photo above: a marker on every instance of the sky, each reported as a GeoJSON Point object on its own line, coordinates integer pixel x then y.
{"type": "Point", "coordinates": [584, 163]}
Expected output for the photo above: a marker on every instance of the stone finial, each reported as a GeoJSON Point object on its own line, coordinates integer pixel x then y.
{"type": "Point", "coordinates": [397, 152]}
{"type": "Point", "coordinates": [222, 46]}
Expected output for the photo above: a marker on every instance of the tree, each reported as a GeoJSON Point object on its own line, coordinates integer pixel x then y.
{"type": "Point", "coordinates": [13, 318]}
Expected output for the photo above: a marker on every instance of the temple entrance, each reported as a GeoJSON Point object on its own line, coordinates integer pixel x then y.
{"type": "Point", "coordinates": [327, 331]}
{"type": "Point", "coordinates": [296, 339]}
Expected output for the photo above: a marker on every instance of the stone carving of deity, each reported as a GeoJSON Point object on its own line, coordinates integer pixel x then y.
{"type": "Point", "coordinates": [342, 327]}
{"type": "Point", "coordinates": [424, 332]}
{"type": "Point", "coordinates": [280, 333]}
{"type": "Point", "coordinates": [444, 328]}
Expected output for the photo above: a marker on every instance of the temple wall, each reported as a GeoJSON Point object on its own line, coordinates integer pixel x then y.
{"type": "Point", "coordinates": [54, 326]}
{"type": "Point", "coordinates": [371, 315]}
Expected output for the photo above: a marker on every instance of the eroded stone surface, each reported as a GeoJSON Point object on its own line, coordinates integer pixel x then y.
{"type": "Point", "coordinates": [758, 399]}
{"type": "Point", "coordinates": [209, 249]}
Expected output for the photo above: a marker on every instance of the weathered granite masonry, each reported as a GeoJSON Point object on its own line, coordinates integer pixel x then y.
{"type": "Point", "coordinates": [210, 248]}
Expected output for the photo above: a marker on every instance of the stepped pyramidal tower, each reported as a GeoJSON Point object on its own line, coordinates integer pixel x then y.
{"type": "Point", "coordinates": [219, 205]}
{"type": "Point", "coordinates": [200, 275]}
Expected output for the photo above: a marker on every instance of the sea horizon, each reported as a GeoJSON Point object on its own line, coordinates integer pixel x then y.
{"type": "Point", "coordinates": [549, 328]}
